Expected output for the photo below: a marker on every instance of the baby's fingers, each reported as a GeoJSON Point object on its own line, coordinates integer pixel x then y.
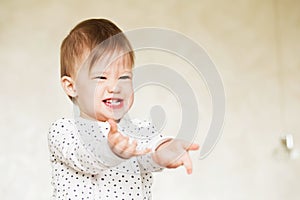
{"type": "Point", "coordinates": [129, 150]}
{"type": "Point", "coordinates": [132, 150]}
{"type": "Point", "coordinates": [193, 147]}
{"type": "Point", "coordinates": [115, 138]}
{"type": "Point", "coordinates": [142, 152]}
{"type": "Point", "coordinates": [187, 163]}
{"type": "Point", "coordinates": [120, 145]}
{"type": "Point", "coordinates": [113, 126]}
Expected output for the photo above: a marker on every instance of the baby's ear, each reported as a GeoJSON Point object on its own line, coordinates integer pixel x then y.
{"type": "Point", "coordinates": [68, 85]}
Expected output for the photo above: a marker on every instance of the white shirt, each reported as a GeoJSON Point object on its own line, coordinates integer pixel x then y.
{"type": "Point", "coordinates": [84, 167]}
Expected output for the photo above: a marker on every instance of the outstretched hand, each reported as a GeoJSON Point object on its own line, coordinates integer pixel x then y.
{"type": "Point", "coordinates": [121, 144]}
{"type": "Point", "coordinates": [175, 153]}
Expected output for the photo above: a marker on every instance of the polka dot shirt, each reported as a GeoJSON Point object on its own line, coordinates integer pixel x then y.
{"type": "Point", "coordinates": [84, 167]}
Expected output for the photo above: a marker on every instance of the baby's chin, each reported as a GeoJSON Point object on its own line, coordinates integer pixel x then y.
{"type": "Point", "coordinates": [115, 116]}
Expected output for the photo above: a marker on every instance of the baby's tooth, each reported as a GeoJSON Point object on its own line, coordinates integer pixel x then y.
{"type": "Point", "coordinates": [113, 101]}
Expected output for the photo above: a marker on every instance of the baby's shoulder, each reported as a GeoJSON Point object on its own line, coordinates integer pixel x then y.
{"type": "Point", "coordinates": [62, 123]}
{"type": "Point", "coordinates": [142, 128]}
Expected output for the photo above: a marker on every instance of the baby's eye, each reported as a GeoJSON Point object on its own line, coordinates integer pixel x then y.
{"type": "Point", "coordinates": [125, 77]}
{"type": "Point", "coordinates": [100, 77]}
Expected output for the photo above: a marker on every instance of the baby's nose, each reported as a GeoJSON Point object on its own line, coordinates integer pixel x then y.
{"type": "Point", "coordinates": [113, 88]}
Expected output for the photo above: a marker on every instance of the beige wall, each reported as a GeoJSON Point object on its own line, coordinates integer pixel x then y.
{"type": "Point", "coordinates": [255, 45]}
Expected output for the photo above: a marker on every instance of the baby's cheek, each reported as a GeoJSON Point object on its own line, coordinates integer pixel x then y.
{"type": "Point", "coordinates": [98, 90]}
{"type": "Point", "coordinates": [127, 88]}
{"type": "Point", "coordinates": [131, 99]}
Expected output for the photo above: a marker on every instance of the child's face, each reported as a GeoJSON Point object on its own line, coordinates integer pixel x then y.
{"type": "Point", "coordinates": [105, 92]}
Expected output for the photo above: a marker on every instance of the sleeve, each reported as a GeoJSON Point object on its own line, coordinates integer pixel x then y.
{"type": "Point", "coordinates": [149, 137]}
{"type": "Point", "coordinates": [80, 149]}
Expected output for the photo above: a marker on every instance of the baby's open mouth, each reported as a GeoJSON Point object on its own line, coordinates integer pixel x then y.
{"type": "Point", "coordinates": [114, 103]}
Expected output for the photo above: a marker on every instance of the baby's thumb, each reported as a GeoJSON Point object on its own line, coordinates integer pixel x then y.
{"type": "Point", "coordinates": [113, 126]}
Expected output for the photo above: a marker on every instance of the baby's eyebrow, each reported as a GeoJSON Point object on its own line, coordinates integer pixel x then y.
{"type": "Point", "coordinates": [105, 73]}
{"type": "Point", "coordinates": [127, 71]}
{"type": "Point", "coordinates": [98, 72]}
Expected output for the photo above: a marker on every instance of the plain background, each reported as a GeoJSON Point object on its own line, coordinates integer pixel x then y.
{"type": "Point", "coordinates": [255, 45]}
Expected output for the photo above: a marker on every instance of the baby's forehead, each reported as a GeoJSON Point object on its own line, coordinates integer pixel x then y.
{"type": "Point", "coordinates": [112, 68]}
{"type": "Point", "coordinates": [100, 60]}
{"type": "Point", "coordinates": [112, 64]}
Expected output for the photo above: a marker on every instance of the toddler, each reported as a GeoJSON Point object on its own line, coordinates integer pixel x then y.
{"type": "Point", "coordinates": [101, 154]}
